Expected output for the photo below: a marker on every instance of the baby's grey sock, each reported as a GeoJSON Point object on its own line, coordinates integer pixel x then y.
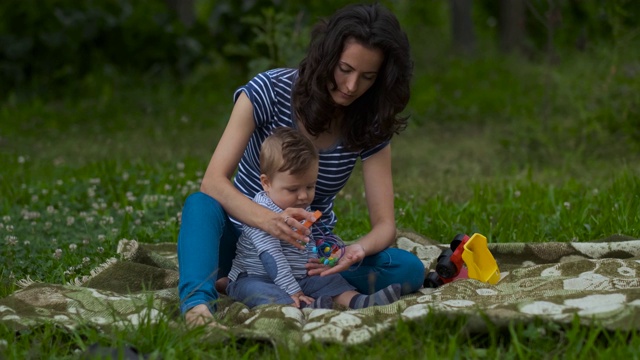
{"type": "Point", "coordinates": [323, 302]}
{"type": "Point", "coordinates": [385, 296]}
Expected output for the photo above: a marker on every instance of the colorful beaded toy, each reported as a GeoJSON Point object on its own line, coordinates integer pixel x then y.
{"type": "Point", "coordinates": [329, 247]}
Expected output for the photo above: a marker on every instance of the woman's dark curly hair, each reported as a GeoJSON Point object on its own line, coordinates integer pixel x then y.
{"type": "Point", "coordinates": [374, 116]}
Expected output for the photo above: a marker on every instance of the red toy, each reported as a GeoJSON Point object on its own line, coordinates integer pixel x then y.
{"type": "Point", "coordinates": [450, 265]}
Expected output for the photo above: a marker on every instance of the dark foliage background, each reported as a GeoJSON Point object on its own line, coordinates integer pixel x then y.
{"type": "Point", "coordinates": [53, 43]}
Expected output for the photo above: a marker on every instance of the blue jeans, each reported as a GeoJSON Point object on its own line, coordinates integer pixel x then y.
{"type": "Point", "coordinates": [254, 290]}
{"type": "Point", "coordinates": [207, 246]}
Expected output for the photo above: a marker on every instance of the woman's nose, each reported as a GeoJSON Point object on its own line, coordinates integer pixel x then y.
{"type": "Point", "coordinates": [352, 84]}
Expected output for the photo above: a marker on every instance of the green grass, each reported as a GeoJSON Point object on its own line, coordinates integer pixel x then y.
{"type": "Point", "coordinates": [516, 151]}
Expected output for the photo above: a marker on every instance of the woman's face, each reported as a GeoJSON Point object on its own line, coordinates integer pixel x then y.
{"type": "Point", "coordinates": [356, 72]}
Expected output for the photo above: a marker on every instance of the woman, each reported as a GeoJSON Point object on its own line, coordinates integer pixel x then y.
{"type": "Point", "coordinates": [346, 96]}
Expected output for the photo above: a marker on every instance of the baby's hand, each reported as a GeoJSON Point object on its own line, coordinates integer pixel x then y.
{"type": "Point", "coordinates": [301, 297]}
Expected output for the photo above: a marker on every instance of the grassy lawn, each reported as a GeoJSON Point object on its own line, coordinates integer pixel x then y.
{"type": "Point", "coordinates": [516, 151]}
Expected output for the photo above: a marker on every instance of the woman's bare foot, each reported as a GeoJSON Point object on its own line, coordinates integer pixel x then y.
{"type": "Point", "coordinates": [221, 285]}
{"type": "Point", "coordinates": [200, 315]}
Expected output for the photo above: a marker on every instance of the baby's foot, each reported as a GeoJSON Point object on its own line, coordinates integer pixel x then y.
{"type": "Point", "coordinates": [386, 296]}
{"type": "Point", "coordinates": [323, 302]}
{"type": "Point", "coordinates": [221, 285]}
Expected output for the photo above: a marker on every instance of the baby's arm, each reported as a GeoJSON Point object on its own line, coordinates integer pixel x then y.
{"type": "Point", "coordinates": [275, 264]}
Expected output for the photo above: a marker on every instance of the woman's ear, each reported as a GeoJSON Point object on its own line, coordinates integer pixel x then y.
{"type": "Point", "coordinates": [266, 184]}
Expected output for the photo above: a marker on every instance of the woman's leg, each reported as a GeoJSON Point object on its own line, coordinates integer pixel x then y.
{"type": "Point", "coordinates": [206, 247]}
{"type": "Point", "coordinates": [390, 266]}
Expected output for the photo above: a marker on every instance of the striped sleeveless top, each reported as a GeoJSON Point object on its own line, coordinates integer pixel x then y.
{"type": "Point", "coordinates": [270, 93]}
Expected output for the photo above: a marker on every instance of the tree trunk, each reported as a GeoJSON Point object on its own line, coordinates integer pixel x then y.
{"type": "Point", "coordinates": [464, 37]}
{"type": "Point", "coordinates": [511, 25]}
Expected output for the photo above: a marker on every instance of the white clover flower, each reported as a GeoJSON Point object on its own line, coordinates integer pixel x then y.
{"type": "Point", "coordinates": [21, 159]}
{"type": "Point", "coordinates": [85, 260]}
{"type": "Point", "coordinates": [125, 176]}
{"type": "Point", "coordinates": [101, 237]}
{"type": "Point", "coordinates": [70, 220]}
{"type": "Point", "coordinates": [100, 249]}
{"type": "Point", "coordinates": [57, 254]}
{"type": "Point", "coordinates": [11, 240]}
{"type": "Point", "coordinates": [9, 228]}
{"type": "Point", "coordinates": [73, 247]}
{"type": "Point", "coordinates": [6, 218]}
{"type": "Point", "coordinates": [516, 193]}
{"type": "Point", "coordinates": [180, 166]}
{"type": "Point", "coordinates": [128, 209]}
{"type": "Point", "coordinates": [567, 205]}
{"type": "Point", "coordinates": [26, 243]}
{"type": "Point", "coordinates": [85, 241]}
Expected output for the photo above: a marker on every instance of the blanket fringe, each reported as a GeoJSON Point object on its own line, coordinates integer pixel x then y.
{"type": "Point", "coordinates": [23, 283]}
{"type": "Point", "coordinates": [81, 280]}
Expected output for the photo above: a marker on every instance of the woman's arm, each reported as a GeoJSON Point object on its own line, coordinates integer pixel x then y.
{"type": "Point", "coordinates": [217, 179]}
{"type": "Point", "coordinates": [378, 185]}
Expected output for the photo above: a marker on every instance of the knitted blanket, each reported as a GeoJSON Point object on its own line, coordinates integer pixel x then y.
{"type": "Point", "coordinates": [596, 281]}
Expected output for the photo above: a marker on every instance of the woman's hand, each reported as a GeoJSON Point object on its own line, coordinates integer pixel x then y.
{"type": "Point", "coordinates": [301, 297]}
{"type": "Point", "coordinates": [281, 225]}
{"type": "Point", "coordinates": [353, 254]}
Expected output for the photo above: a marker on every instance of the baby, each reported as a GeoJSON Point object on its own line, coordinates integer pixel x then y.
{"type": "Point", "coordinates": [269, 271]}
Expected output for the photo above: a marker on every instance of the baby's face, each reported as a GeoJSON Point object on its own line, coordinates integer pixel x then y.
{"type": "Point", "coordinates": [287, 190]}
